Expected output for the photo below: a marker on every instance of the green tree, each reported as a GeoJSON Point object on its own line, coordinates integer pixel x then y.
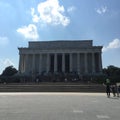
{"type": "Point", "coordinates": [113, 73]}
{"type": "Point", "coordinates": [9, 71]}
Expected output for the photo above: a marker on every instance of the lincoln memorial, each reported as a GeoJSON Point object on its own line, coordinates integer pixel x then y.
{"type": "Point", "coordinates": [78, 56]}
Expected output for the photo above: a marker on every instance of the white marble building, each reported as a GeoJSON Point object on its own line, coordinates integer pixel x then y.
{"type": "Point", "coordinates": [61, 56]}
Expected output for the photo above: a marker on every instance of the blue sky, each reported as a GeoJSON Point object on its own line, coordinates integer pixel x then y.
{"type": "Point", "coordinates": [42, 20]}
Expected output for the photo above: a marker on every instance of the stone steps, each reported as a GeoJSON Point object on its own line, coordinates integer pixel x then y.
{"type": "Point", "coordinates": [51, 88]}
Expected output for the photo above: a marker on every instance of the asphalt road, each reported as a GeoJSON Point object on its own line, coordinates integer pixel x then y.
{"type": "Point", "coordinates": [58, 106]}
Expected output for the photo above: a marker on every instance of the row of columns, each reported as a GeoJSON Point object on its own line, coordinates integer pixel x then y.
{"type": "Point", "coordinates": [23, 62]}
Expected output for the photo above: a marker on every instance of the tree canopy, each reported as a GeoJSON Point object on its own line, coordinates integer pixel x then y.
{"type": "Point", "coordinates": [113, 73]}
{"type": "Point", "coordinates": [111, 70]}
{"type": "Point", "coordinates": [9, 71]}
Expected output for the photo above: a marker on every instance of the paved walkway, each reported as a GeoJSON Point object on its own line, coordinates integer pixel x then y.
{"type": "Point", "coordinates": [58, 106]}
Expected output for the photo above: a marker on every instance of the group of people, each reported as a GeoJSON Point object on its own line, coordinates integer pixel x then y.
{"type": "Point", "coordinates": [114, 88]}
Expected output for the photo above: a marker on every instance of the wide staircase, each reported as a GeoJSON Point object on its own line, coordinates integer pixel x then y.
{"type": "Point", "coordinates": [51, 87]}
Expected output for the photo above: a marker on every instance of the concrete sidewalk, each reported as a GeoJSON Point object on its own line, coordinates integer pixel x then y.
{"type": "Point", "coordinates": [58, 106]}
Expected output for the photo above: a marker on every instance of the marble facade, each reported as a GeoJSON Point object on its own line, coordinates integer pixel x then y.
{"type": "Point", "coordinates": [78, 56]}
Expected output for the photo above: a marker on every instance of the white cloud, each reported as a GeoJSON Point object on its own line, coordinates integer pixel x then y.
{"type": "Point", "coordinates": [3, 41]}
{"type": "Point", "coordinates": [29, 32]}
{"type": "Point", "coordinates": [102, 10]}
{"type": "Point", "coordinates": [35, 17]}
{"type": "Point", "coordinates": [5, 63]}
{"type": "Point", "coordinates": [112, 45]}
{"type": "Point", "coordinates": [50, 12]}
{"type": "Point", "coordinates": [70, 9]}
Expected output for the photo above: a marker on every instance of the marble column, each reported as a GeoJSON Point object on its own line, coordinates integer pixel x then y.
{"type": "Point", "coordinates": [20, 63]}
{"type": "Point", "coordinates": [33, 64]}
{"type": "Point", "coordinates": [55, 62]}
{"type": "Point", "coordinates": [78, 63]}
{"type": "Point", "coordinates": [26, 62]}
{"type": "Point", "coordinates": [71, 62]}
{"type": "Point", "coordinates": [48, 62]}
{"type": "Point", "coordinates": [100, 62]}
{"type": "Point", "coordinates": [23, 63]}
{"type": "Point", "coordinates": [86, 64]}
{"type": "Point", "coordinates": [93, 62]}
{"type": "Point", "coordinates": [40, 63]}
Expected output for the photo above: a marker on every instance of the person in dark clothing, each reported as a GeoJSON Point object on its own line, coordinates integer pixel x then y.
{"type": "Point", "coordinates": [108, 90]}
{"type": "Point", "coordinates": [107, 83]}
{"type": "Point", "coordinates": [118, 89]}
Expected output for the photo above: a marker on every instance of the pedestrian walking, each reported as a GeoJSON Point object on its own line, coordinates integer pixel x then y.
{"type": "Point", "coordinates": [118, 91]}
{"type": "Point", "coordinates": [108, 90]}
{"type": "Point", "coordinates": [113, 88]}
{"type": "Point", "coordinates": [107, 83]}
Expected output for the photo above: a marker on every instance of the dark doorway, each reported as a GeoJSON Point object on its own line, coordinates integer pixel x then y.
{"type": "Point", "coordinates": [59, 62]}
{"type": "Point", "coordinates": [52, 63]}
